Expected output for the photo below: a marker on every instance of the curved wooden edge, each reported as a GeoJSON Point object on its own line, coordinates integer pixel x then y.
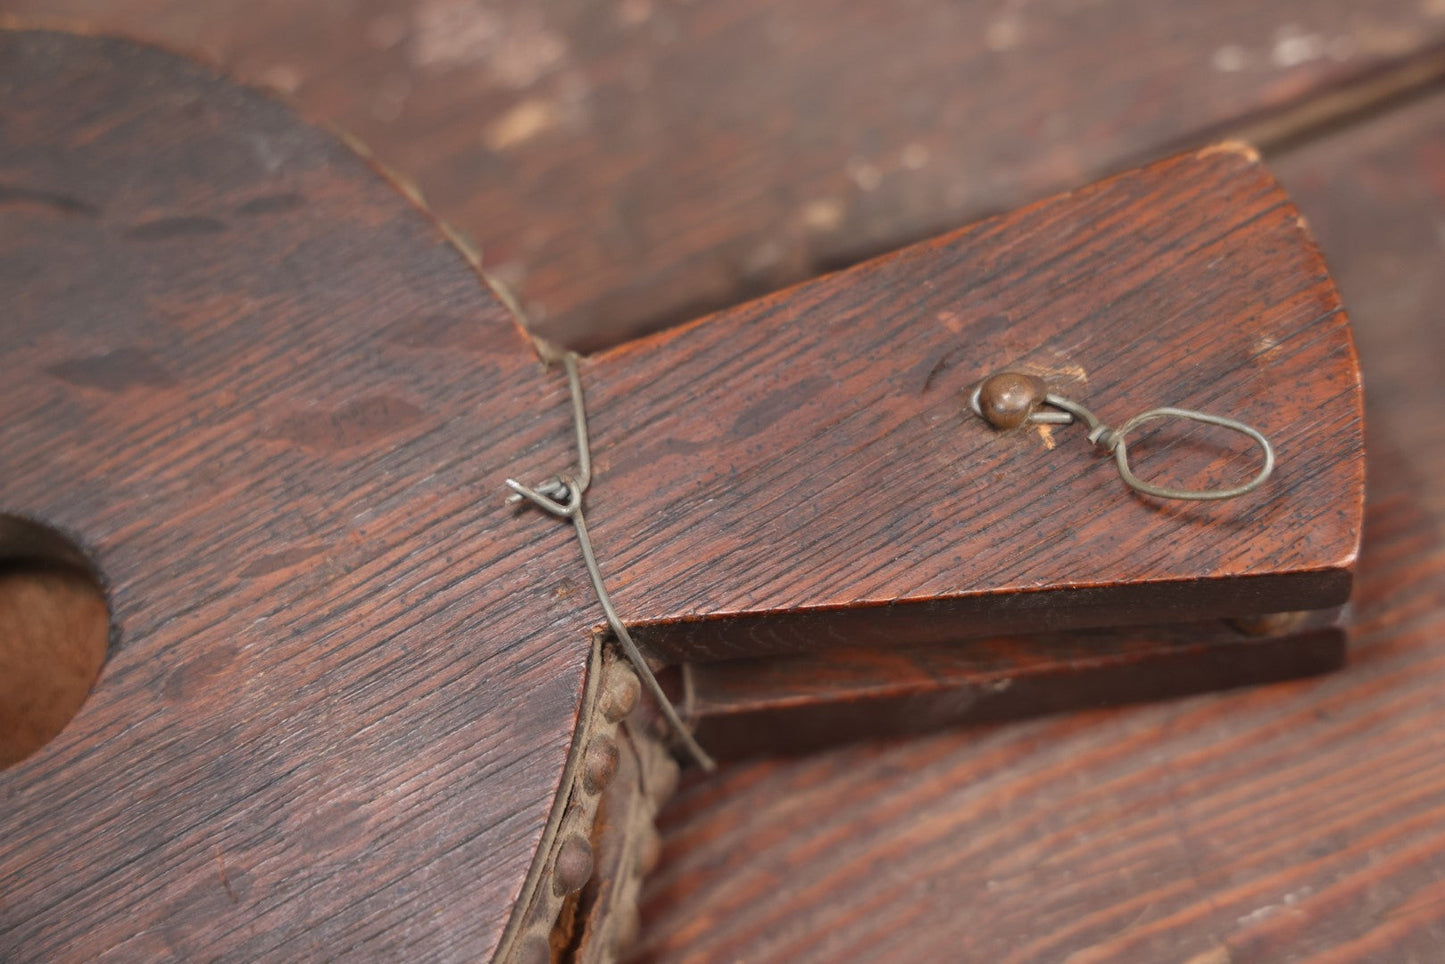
{"type": "Point", "coordinates": [25, 494]}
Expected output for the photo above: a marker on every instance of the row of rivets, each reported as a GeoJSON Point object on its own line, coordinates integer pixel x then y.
{"type": "Point", "coordinates": [573, 861]}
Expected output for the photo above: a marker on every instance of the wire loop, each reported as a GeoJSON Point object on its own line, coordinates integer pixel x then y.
{"type": "Point", "coordinates": [562, 496]}
{"type": "Point", "coordinates": [1067, 411]}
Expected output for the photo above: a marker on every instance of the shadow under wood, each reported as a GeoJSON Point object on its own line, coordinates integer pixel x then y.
{"type": "Point", "coordinates": [746, 708]}
{"type": "Point", "coordinates": [54, 633]}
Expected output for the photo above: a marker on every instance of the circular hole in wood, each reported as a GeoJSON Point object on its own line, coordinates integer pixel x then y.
{"type": "Point", "coordinates": [54, 633]}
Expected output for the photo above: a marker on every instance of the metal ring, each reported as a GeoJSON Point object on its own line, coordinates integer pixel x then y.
{"type": "Point", "coordinates": [1115, 441]}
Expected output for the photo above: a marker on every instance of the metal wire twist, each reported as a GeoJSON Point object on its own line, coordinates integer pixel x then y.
{"type": "Point", "coordinates": [562, 496]}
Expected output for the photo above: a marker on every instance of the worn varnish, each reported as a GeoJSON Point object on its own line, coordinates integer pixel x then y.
{"type": "Point", "coordinates": [276, 406]}
{"type": "Point", "coordinates": [1297, 823]}
{"type": "Point", "coordinates": [636, 162]}
{"type": "Point", "coordinates": [804, 470]}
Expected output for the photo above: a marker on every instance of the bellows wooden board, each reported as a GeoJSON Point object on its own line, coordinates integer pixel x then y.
{"type": "Point", "coordinates": [805, 469]}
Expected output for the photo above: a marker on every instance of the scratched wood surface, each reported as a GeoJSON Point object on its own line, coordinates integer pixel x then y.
{"type": "Point", "coordinates": [1298, 822]}
{"type": "Point", "coordinates": [636, 162]}
{"type": "Point", "coordinates": [277, 405]}
{"type": "Point", "coordinates": [804, 470]}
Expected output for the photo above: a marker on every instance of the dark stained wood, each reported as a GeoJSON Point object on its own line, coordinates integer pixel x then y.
{"type": "Point", "coordinates": [804, 470]}
{"type": "Point", "coordinates": [1298, 822]}
{"type": "Point", "coordinates": [752, 707]}
{"type": "Point", "coordinates": [276, 406]}
{"type": "Point", "coordinates": [151, 358]}
{"type": "Point", "coordinates": [635, 162]}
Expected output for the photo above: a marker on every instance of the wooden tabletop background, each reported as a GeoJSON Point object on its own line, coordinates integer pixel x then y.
{"type": "Point", "coordinates": [629, 164]}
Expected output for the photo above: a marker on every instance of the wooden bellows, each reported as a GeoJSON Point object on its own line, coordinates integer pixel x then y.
{"type": "Point", "coordinates": [358, 704]}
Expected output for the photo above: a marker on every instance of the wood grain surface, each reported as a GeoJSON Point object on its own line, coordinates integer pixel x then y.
{"type": "Point", "coordinates": [277, 406]}
{"type": "Point", "coordinates": [1299, 822]}
{"type": "Point", "coordinates": [774, 705]}
{"type": "Point", "coordinates": [635, 162]}
{"type": "Point", "coordinates": [307, 815]}
{"type": "Point", "coordinates": [804, 470]}
{"type": "Point", "coordinates": [243, 362]}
